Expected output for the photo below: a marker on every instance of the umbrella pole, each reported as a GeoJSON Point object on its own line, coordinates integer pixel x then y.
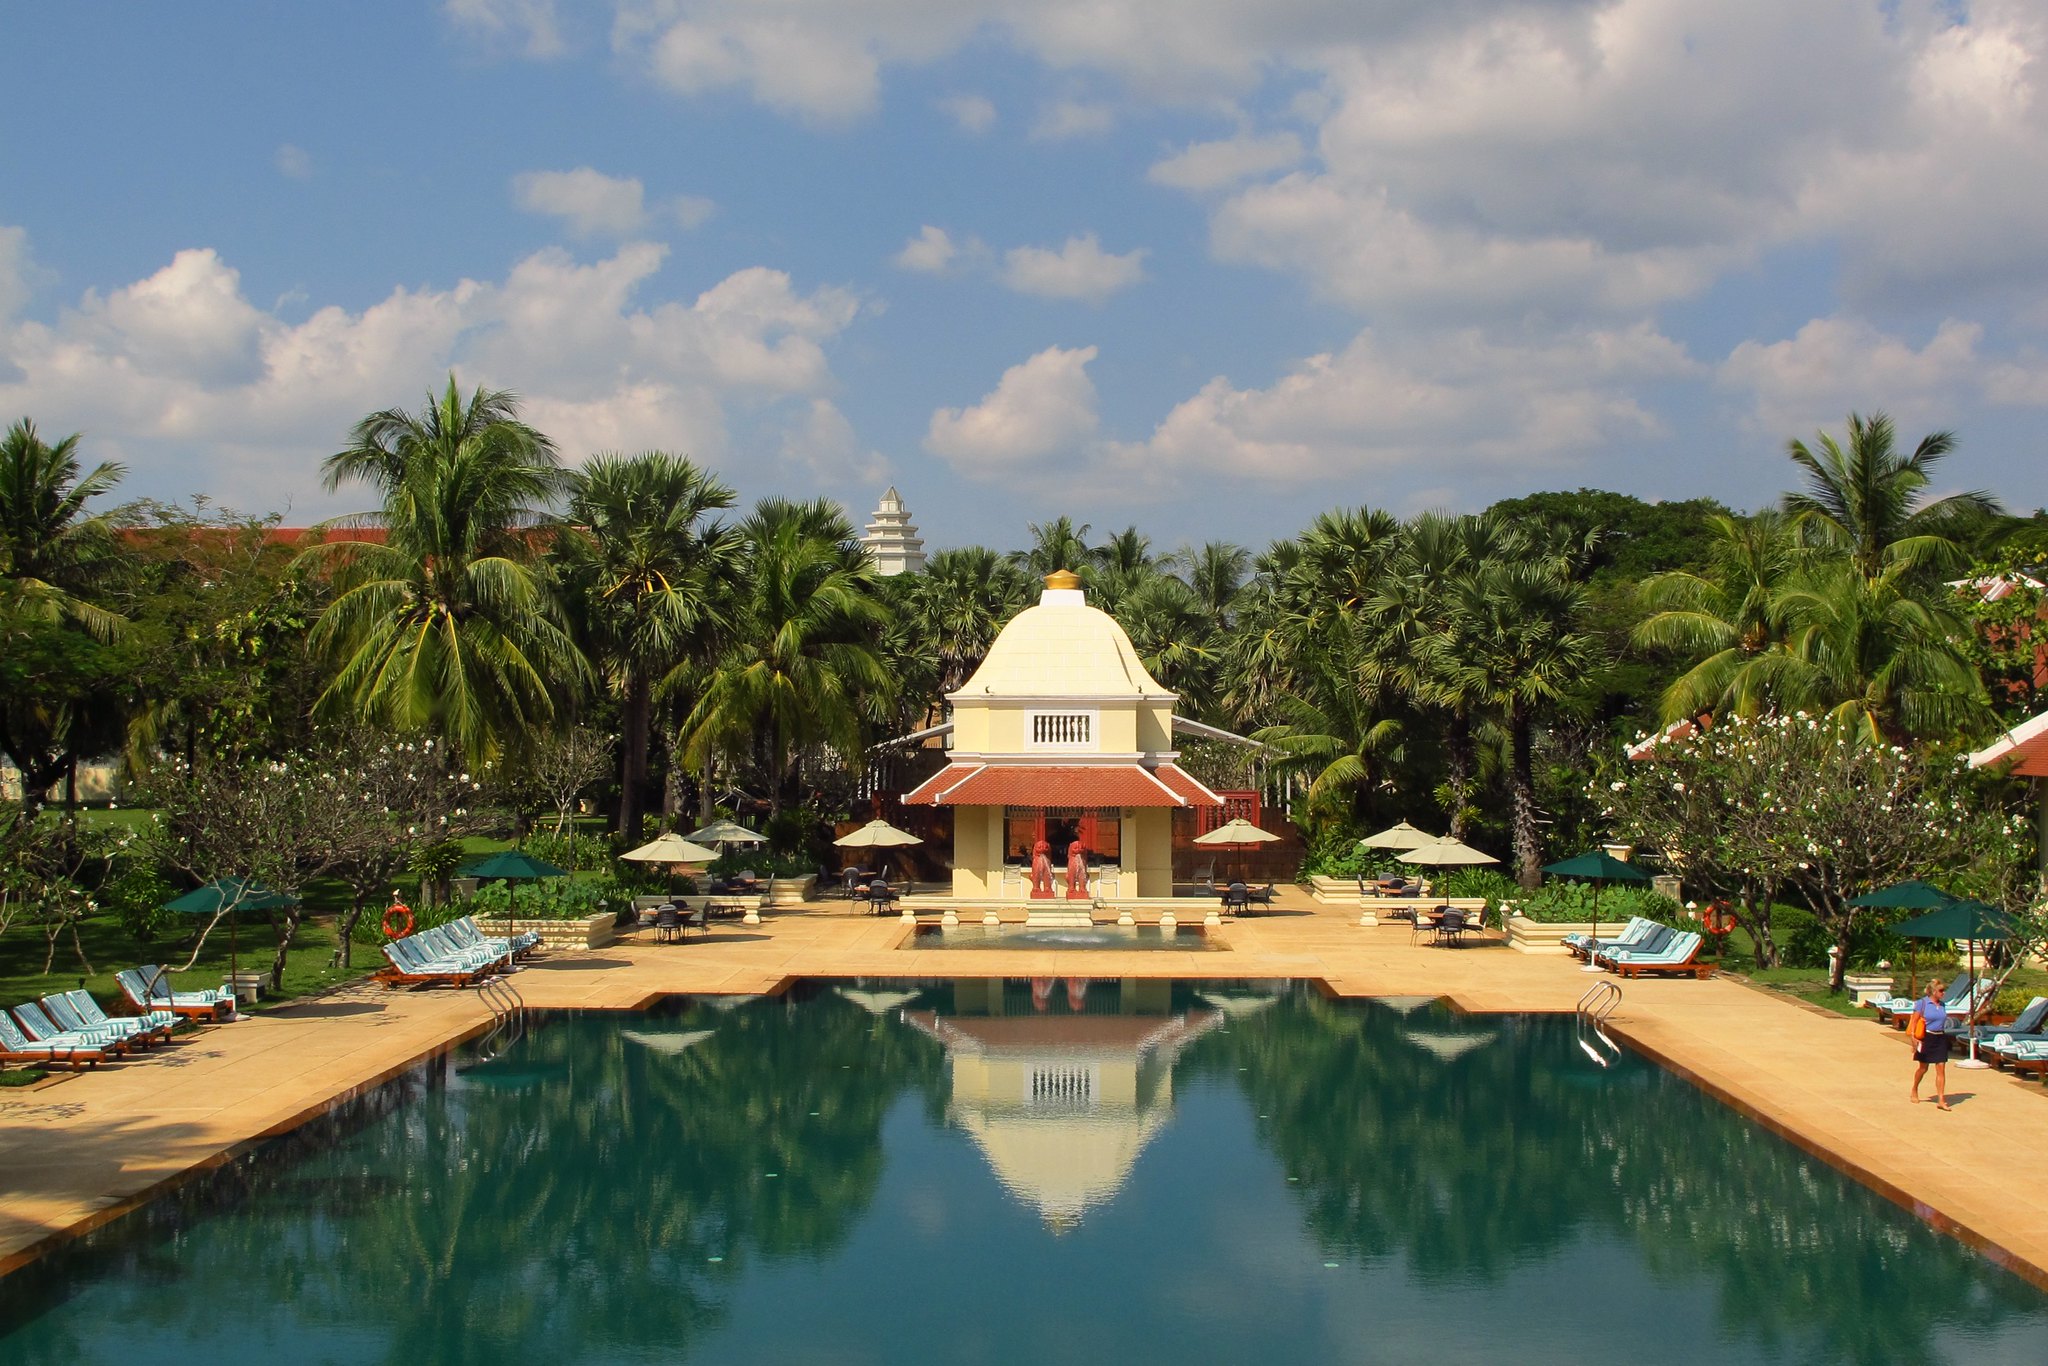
{"type": "Point", "coordinates": [1973, 1061]}
{"type": "Point", "coordinates": [1592, 966]}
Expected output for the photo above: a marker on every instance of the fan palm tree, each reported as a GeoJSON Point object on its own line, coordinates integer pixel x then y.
{"type": "Point", "coordinates": [1332, 729]}
{"type": "Point", "coordinates": [449, 623]}
{"type": "Point", "coordinates": [645, 567]}
{"type": "Point", "coordinates": [954, 608]}
{"type": "Point", "coordinates": [802, 664]}
{"type": "Point", "coordinates": [1519, 643]}
{"type": "Point", "coordinates": [1866, 500]}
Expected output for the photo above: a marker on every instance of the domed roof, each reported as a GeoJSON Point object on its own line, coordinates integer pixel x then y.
{"type": "Point", "coordinates": [1062, 648]}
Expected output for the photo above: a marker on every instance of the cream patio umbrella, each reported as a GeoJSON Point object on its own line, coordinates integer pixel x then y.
{"type": "Point", "coordinates": [877, 834]}
{"type": "Point", "coordinates": [1446, 853]}
{"type": "Point", "coordinates": [1237, 831]}
{"type": "Point", "coordinates": [1402, 836]}
{"type": "Point", "coordinates": [725, 832]}
{"type": "Point", "coordinates": [671, 848]}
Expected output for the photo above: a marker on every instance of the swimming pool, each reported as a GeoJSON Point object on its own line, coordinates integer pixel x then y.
{"type": "Point", "coordinates": [1006, 1171]}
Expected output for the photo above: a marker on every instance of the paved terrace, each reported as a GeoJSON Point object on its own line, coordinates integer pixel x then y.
{"type": "Point", "coordinates": [83, 1149]}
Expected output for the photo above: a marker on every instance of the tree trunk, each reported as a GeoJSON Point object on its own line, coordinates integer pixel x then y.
{"type": "Point", "coordinates": [1840, 966]}
{"type": "Point", "coordinates": [1756, 918]}
{"type": "Point", "coordinates": [1522, 784]}
{"type": "Point", "coordinates": [287, 926]}
{"type": "Point", "coordinates": [639, 705]}
{"type": "Point", "coordinates": [1458, 754]}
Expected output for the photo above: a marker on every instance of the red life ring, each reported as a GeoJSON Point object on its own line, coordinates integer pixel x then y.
{"type": "Point", "coordinates": [1717, 919]}
{"type": "Point", "coordinates": [397, 921]}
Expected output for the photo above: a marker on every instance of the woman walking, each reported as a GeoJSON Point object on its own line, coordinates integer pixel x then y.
{"type": "Point", "coordinates": [1929, 1030]}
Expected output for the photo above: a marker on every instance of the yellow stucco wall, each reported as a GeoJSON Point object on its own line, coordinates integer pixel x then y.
{"type": "Point", "coordinates": [977, 851]}
{"type": "Point", "coordinates": [1148, 850]}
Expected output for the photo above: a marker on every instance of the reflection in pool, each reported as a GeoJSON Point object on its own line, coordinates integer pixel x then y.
{"type": "Point", "coordinates": [1022, 1171]}
{"type": "Point", "coordinates": [1062, 938]}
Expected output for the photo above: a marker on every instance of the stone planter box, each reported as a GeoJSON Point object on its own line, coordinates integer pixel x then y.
{"type": "Point", "coordinates": [587, 932]}
{"type": "Point", "coordinates": [1532, 936]}
{"type": "Point", "coordinates": [1866, 987]}
{"type": "Point", "coordinates": [791, 891]}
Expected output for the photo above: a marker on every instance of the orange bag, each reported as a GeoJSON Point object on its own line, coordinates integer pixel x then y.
{"type": "Point", "coordinates": [1916, 1027]}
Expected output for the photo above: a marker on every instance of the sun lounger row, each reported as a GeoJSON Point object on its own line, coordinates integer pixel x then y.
{"type": "Point", "coordinates": [1582, 946]}
{"type": "Point", "coordinates": [1966, 996]}
{"type": "Point", "coordinates": [1661, 952]}
{"type": "Point", "coordinates": [70, 1029]}
{"type": "Point", "coordinates": [457, 954]}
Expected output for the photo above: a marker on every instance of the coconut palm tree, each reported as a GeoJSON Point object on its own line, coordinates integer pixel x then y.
{"type": "Point", "coordinates": [1725, 618]}
{"type": "Point", "coordinates": [954, 607]}
{"type": "Point", "coordinates": [450, 623]}
{"type": "Point", "coordinates": [1057, 544]}
{"type": "Point", "coordinates": [53, 556]}
{"type": "Point", "coordinates": [645, 567]}
{"type": "Point", "coordinates": [1865, 500]}
{"type": "Point", "coordinates": [1217, 572]}
{"type": "Point", "coordinates": [1333, 729]}
{"type": "Point", "coordinates": [802, 665]}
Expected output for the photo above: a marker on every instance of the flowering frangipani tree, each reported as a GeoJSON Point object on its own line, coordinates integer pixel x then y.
{"type": "Point", "coordinates": [1748, 808]}
{"type": "Point", "coordinates": [42, 861]}
{"type": "Point", "coordinates": [357, 810]}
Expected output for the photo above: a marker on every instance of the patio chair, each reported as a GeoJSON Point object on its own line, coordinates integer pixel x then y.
{"type": "Point", "coordinates": [43, 1030]}
{"type": "Point", "coordinates": [1237, 899]}
{"type": "Point", "coordinates": [1451, 927]}
{"type": "Point", "coordinates": [881, 899]}
{"type": "Point", "coordinates": [17, 1047]}
{"type": "Point", "coordinates": [1205, 876]}
{"type": "Point", "coordinates": [129, 1028]}
{"type": "Point", "coordinates": [668, 926]}
{"type": "Point", "coordinates": [149, 988]}
{"type": "Point", "coordinates": [1261, 896]}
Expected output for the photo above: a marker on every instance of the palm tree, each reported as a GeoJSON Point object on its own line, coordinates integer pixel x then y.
{"type": "Point", "coordinates": [1519, 643]}
{"type": "Point", "coordinates": [1217, 572]}
{"type": "Point", "coordinates": [802, 665]}
{"type": "Point", "coordinates": [956, 605]}
{"type": "Point", "coordinates": [1332, 728]}
{"type": "Point", "coordinates": [449, 624]}
{"type": "Point", "coordinates": [52, 555]}
{"type": "Point", "coordinates": [645, 567]}
{"type": "Point", "coordinates": [1057, 544]}
{"type": "Point", "coordinates": [1725, 618]}
{"type": "Point", "coordinates": [1865, 500]}
{"type": "Point", "coordinates": [1871, 654]}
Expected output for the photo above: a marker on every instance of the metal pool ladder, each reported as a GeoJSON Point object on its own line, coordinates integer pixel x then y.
{"type": "Point", "coordinates": [508, 1017]}
{"type": "Point", "coordinates": [1600, 1001]}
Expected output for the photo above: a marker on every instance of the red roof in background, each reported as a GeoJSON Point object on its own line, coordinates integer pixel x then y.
{"type": "Point", "coordinates": [1060, 785]}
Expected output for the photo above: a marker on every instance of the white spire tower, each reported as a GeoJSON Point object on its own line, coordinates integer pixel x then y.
{"type": "Point", "coordinates": [892, 541]}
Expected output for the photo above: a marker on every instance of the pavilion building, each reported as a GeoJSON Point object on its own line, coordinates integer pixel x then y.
{"type": "Point", "coordinates": [1062, 736]}
{"type": "Point", "coordinates": [892, 542]}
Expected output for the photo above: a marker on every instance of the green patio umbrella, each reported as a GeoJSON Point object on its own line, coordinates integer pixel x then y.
{"type": "Point", "coordinates": [1906, 896]}
{"type": "Point", "coordinates": [512, 865]}
{"type": "Point", "coordinates": [230, 894]}
{"type": "Point", "coordinates": [1967, 920]}
{"type": "Point", "coordinates": [1596, 867]}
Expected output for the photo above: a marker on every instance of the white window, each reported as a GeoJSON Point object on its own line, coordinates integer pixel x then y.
{"type": "Point", "coordinates": [1059, 730]}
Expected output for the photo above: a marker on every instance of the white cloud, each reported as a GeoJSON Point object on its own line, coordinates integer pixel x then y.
{"type": "Point", "coordinates": [1214, 165]}
{"type": "Point", "coordinates": [1042, 407]}
{"type": "Point", "coordinates": [691, 211]}
{"type": "Point", "coordinates": [180, 375]}
{"type": "Point", "coordinates": [587, 200]}
{"type": "Point", "coordinates": [1079, 270]}
{"type": "Point", "coordinates": [931, 252]}
{"type": "Point", "coordinates": [528, 28]}
{"type": "Point", "coordinates": [1833, 366]}
{"type": "Point", "coordinates": [1073, 119]}
{"type": "Point", "coordinates": [294, 161]}
{"type": "Point", "coordinates": [819, 443]}
{"type": "Point", "coordinates": [1450, 402]}
{"type": "Point", "coordinates": [970, 113]}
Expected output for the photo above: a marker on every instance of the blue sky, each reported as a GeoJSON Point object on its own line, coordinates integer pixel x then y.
{"type": "Point", "coordinates": [1206, 266]}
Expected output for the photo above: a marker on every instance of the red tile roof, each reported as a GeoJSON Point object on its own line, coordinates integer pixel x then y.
{"type": "Point", "coordinates": [1060, 785]}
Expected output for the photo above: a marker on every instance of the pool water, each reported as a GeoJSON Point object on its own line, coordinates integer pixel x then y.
{"type": "Point", "coordinates": [1108, 937]}
{"type": "Point", "coordinates": [1006, 1172]}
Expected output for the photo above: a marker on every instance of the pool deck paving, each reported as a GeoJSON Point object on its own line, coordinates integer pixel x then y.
{"type": "Point", "coordinates": [84, 1148]}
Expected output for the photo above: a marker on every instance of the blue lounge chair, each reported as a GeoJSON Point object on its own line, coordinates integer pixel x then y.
{"type": "Point", "coordinates": [411, 965]}
{"type": "Point", "coordinates": [129, 1027]}
{"type": "Point", "coordinates": [16, 1048]}
{"type": "Point", "coordinates": [89, 1010]}
{"type": "Point", "coordinates": [42, 1029]}
{"type": "Point", "coordinates": [1632, 934]}
{"type": "Point", "coordinates": [1675, 955]}
{"type": "Point", "coordinates": [149, 988]}
{"type": "Point", "coordinates": [2024, 1027]}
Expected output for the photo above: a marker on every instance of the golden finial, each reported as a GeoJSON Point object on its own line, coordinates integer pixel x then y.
{"type": "Point", "coordinates": [1062, 578]}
